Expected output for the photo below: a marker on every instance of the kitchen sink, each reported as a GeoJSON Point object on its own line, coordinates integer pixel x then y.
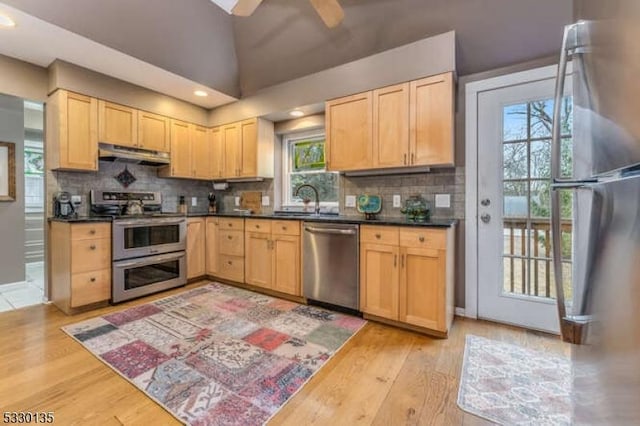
{"type": "Point", "coordinates": [300, 213]}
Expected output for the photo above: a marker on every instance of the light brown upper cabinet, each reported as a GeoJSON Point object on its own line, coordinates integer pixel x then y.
{"type": "Point", "coordinates": [118, 124]}
{"type": "Point", "coordinates": [405, 125]}
{"type": "Point", "coordinates": [349, 126]}
{"type": "Point", "coordinates": [154, 132]}
{"type": "Point", "coordinates": [72, 132]}
{"type": "Point", "coordinates": [216, 152]}
{"type": "Point", "coordinates": [200, 152]}
{"type": "Point", "coordinates": [247, 149]}
{"type": "Point", "coordinates": [431, 121]}
{"type": "Point", "coordinates": [391, 126]}
{"type": "Point", "coordinates": [180, 152]}
{"type": "Point", "coordinates": [232, 150]}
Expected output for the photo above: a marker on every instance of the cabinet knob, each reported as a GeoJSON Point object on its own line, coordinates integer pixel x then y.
{"type": "Point", "coordinates": [92, 231]}
{"type": "Point", "coordinates": [92, 279]}
{"type": "Point", "coordinates": [257, 226]}
{"type": "Point", "coordinates": [229, 262]}
{"type": "Point", "coordinates": [92, 246]}
{"type": "Point", "coordinates": [421, 239]}
{"type": "Point", "coordinates": [230, 225]}
{"type": "Point", "coordinates": [229, 237]}
{"type": "Point", "coordinates": [378, 236]}
{"type": "Point", "coordinates": [284, 228]}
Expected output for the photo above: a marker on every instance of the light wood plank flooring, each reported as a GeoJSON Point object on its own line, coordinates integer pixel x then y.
{"type": "Point", "coordinates": [383, 376]}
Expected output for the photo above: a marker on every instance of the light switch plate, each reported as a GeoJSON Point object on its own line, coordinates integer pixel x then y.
{"type": "Point", "coordinates": [443, 201]}
{"type": "Point", "coordinates": [350, 201]}
{"type": "Point", "coordinates": [194, 201]}
{"type": "Point", "coordinates": [236, 201]}
{"type": "Point", "coordinates": [397, 201]}
{"type": "Point", "coordinates": [265, 200]}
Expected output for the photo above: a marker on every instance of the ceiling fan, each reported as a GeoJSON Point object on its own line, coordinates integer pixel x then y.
{"type": "Point", "coordinates": [329, 10]}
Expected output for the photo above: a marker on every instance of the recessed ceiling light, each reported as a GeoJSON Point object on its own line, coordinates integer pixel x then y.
{"type": "Point", "coordinates": [200, 93]}
{"type": "Point", "coordinates": [296, 113]}
{"type": "Point", "coordinates": [5, 21]}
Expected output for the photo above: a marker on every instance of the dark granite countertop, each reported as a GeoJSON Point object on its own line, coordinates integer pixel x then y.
{"type": "Point", "coordinates": [434, 223]}
{"type": "Point", "coordinates": [80, 219]}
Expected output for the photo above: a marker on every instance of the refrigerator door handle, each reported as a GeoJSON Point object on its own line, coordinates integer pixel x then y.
{"type": "Point", "coordinates": [571, 183]}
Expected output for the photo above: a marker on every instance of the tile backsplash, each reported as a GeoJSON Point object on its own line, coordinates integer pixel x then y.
{"type": "Point", "coordinates": [146, 180]}
{"type": "Point", "coordinates": [438, 181]}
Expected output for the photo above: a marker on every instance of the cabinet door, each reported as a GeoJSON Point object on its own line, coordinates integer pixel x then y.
{"type": "Point", "coordinates": [216, 152]}
{"type": "Point", "coordinates": [349, 127]}
{"type": "Point", "coordinates": [422, 288]}
{"type": "Point", "coordinates": [77, 131]}
{"type": "Point", "coordinates": [431, 121]}
{"type": "Point", "coordinates": [379, 274]}
{"type": "Point", "coordinates": [200, 152]}
{"type": "Point", "coordinates": [118, 124]}
{"type": "Point", "coordinates": [286, 264]}
{"type": "Point", "coordinates": [391, 126]}
{"type": "Point", "coordinates": [249, 156]}
{"type": "Point", "coordinates": [211, 250]}
{"type": "Point", "coordinates": [195, 248]}
{"type": "Point", "coordinates": [258, 259]}
{"type": "Point", "coordinates": [154, 131]}
{"type": "Point", "coordinates": [180, 149]}
{"type": "Point", "coordinates": [232, 150]}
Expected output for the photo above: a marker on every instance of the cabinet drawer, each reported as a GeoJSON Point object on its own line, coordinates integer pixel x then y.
{"type": "Point", "coordinates": [231, 242]}
{"type": "Point", "coordinates": [90, 287]}
{"type": "Point", "coordinates": [90, 231]}
{"type": "Point", "coordinates": [285, 227]}
{"type": "Point", "coordinates": [90, 255]}
{"type": "Point", "coordinates": [258, 225]}
{"type": "Point", "coordinates": [423, 238]}
{"type": "Point", "coordinates": [379, 234]}
{"type": "Point", "coordinates": [230, 223]}
{"type": "Point", "coordinates": [231, 268]}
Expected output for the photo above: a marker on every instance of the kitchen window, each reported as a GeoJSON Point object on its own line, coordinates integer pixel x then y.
{"type": "Point", "coordinates": [303, 162]}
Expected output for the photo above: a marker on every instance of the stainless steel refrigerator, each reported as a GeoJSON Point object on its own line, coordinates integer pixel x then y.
{"type": "Point", "coordinates": [602, 317]}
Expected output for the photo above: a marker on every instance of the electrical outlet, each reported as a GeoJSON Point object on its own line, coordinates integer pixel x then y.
{"type": "Point", "coordinates": [76, 199]}
{"type": "Point", "coordinates": [350, 201]}
{"type": "Point", "coordinates": [265, 200]}
{"type": "Point", "coordinates": [443, 201]}
{"type": "Point", "coordinates": [194, 201]}
{"type": "Point", "coordinates": [236, 201]}
{"type": "Point", "coordinates": [397, 201]}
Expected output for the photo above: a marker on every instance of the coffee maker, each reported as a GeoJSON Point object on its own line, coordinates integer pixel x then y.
{"type": "Point", "coordinates": [62, 205]}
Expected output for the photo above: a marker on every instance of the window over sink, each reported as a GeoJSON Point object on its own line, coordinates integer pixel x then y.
{"type": "Point", "coordinates": [303, 162]}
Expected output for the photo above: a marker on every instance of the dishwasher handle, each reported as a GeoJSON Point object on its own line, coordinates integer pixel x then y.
{"type": "Point", "coordinates": [330, 230]}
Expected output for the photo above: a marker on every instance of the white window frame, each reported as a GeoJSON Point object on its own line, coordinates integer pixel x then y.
{"type": "Point", "coordinates": [287, 141]}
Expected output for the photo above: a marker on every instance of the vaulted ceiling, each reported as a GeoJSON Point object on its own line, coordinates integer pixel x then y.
{"type": "Point", "coordinates": [285, 39]}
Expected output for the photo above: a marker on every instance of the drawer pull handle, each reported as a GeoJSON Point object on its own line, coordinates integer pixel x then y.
{"type": "Point", "coordinates": [421, 239]}
{"type": "Point", "coordinates": [378, 236]}
{"type": "Point", "coordinates": [284, 228]}
{"type": "Point", "coordinates": [92, 246]}
{"type": "Point", "coordinates": [92, 231]}
{"type": "Point", "coordinates": [229, 237]}
{"type": "Point", "coordinates": [92, 279]}
{"type": "Point", "coordinates": [257, 226]}
{"type": "Point", "coordinates": [229, 262]}
{"type": "Point", "coordinates": [230, 225]}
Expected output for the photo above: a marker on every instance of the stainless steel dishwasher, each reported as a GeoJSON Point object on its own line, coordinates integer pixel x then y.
{"type": "Point", "coordinates": [330, 263]}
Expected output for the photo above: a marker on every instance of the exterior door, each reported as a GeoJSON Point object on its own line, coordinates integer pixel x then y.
{"type": "Point", "coordinates": [515, 271]}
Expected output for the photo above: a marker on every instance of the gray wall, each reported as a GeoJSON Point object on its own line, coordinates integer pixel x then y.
{"type": "Point", "coordinates": [12, 213]}
{"type": "Point", "coordinates": [18, 78]}
{"type": "Point", "coordinates": [191, 38]}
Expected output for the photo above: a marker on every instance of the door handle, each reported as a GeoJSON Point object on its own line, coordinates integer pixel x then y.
{"type": "Point", "coordinates": [486, 218]}
{"type": "Point", "coordinates": [395, 260]}
{"type": "Point", "coordinates": [402, 260]}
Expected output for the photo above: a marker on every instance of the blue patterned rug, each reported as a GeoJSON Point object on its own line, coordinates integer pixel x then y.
{"type": "Point", "coordinates": [217, 355]}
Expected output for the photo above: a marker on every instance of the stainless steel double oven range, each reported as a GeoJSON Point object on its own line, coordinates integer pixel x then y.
{"type": "Point", "coordinates": [148, 247]}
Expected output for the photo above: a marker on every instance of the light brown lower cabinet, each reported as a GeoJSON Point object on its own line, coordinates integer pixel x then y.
{"type": "Point", "coordinates": [406, 275]}
{"type": "Point", "coordinates": [272, 255]}
{"type": "Point", "coordinates": [80, 259]}
{"type": "Point", "coordinates": [211, 250]}
{"type": "Point", "coordinates": [196, 247]}
{"type": "Point", "coordinates": [231, 249]}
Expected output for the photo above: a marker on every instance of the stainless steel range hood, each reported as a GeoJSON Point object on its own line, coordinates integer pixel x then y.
{"type": "Point", "coordinates": [108, 152]}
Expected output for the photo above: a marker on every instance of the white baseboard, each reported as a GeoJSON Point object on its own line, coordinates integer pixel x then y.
{"type": "Point", "coordinates": [460, 312]}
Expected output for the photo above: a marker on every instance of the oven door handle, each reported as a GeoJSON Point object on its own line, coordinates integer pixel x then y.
{"type": "Point", "coordinates": [147, 260]}
{"type": "Point", "coordinates": [139, 223]}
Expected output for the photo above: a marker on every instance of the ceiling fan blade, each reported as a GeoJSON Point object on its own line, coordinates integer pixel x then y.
{"type": "Point", "coordinates": [245, 7]}
{"type": "Point", "coordinates": [329, 10]}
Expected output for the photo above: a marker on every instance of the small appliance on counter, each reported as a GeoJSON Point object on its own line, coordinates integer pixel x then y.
{"type": "Point", "coordinates": [370, 205]}
{"type": "Point", "coordinates": [182, 205]}
{"type": "Point", "coordinates": [63, 206]}
{"type": "Point", "coordinates": [416, 209]}
{"type": "Point", "coordinates": [213, 207]}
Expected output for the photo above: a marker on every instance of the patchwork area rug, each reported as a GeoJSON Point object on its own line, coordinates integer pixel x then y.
{"type": "Point", "coordinates": [217, 355]}
{"type": "Point", "coordinates": [512, 385]}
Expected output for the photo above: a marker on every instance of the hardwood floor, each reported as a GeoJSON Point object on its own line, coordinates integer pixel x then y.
{"type": "Point", "coordinates": [382, 376]}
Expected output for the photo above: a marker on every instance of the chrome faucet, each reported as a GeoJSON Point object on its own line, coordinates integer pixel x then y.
{"type": "Point", "coordinates": [315, 191]}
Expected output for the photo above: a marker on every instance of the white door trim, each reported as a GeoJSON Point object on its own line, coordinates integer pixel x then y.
{"type": "Point", "coordinates": [472, 90]}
